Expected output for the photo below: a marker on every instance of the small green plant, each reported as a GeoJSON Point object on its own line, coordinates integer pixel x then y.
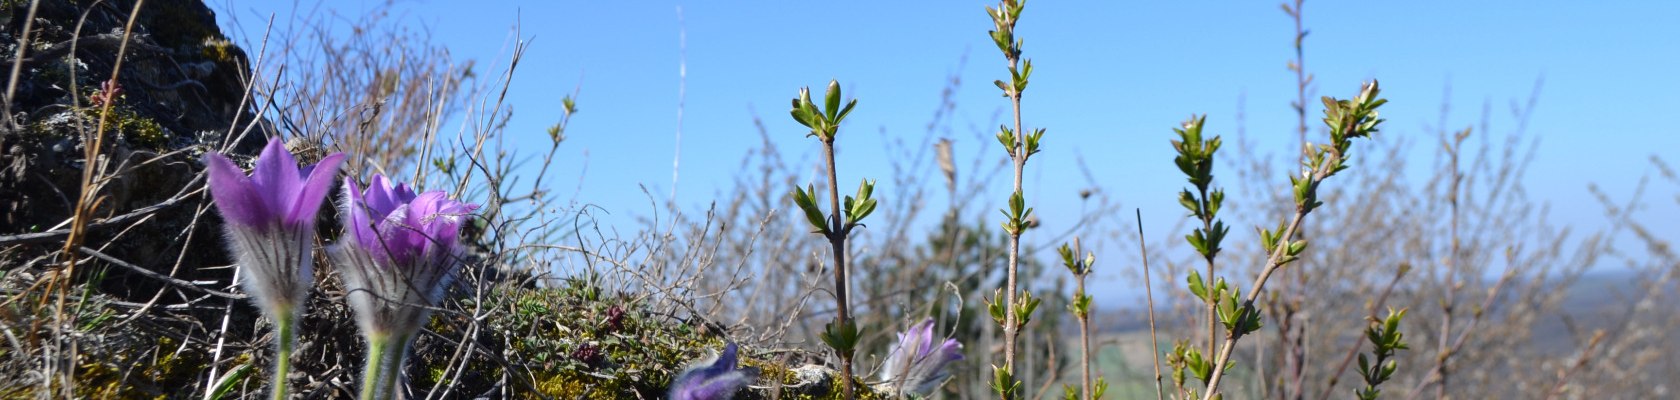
{"type": "Point", "coordinates": [1195, 159]}
{"type": "Point", "coordinates": [1386, 339]}
{"type": "Point", "coordinates": [841, 334]}
{"type": "Point", "coordinates": [1017, 305]}
{"type": "Point", "coordinates": [1346, 120]}
{"type": "Point", "coordinates": [1080, 306]}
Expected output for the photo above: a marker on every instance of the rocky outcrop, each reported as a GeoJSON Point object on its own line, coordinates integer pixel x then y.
{"type": "Point", "coordinates": [179, 92]}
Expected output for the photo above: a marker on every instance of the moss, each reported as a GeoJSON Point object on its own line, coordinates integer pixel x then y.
{"type": "Point", "coordinates": [577, 341]}
{"type": "Point", "coordinates": [222, 51]}
{"type": "Point", "coordinates": [138, 130]}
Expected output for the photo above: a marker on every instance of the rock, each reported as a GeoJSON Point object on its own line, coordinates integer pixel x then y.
{"type": "Point", "coordinates": [180, 92]}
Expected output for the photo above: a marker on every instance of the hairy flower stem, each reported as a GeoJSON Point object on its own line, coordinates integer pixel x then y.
{"type": "Point", "coordinates": [284, 339]}
{"type": "Point", "coordinates": [396, 351]}
{"type": "Point", "coordinates": [837, 238]}
{"type": "Point", "coordinates": [384, 359]}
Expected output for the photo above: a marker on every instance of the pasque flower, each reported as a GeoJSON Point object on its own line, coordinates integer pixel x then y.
{"type": "Point", "coordinates": [400, 251]}
{"type": "Point", "coordinates": [717, 379]}
{"type": "Point", "coordinates": [270, 223]}
{"type": "Point", "coordinates": [919, 362]}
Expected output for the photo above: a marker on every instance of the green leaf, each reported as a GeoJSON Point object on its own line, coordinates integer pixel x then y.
{"type": "Point", "coordinates": [845, 111]}
{"type": "Point", "coordinates": [813, 213]}
{"type": "Point", "coordinates": [1197, 287]}
{"type": "Point", "coordinates": [841, 337]}
{"type": "Point", "coordinates": [1025, 304]}
{"type": "Point", "coordinates": [1006, 137]}
{"type": "Point", "coordinates": [831, 101]}
{"type": "Point", "coordinates": [1297, 246]}
{"type": "Point", "coordinates": [1188, 200]}
{"type": "Point", "coordinates": [226, 383]}
{"type": "Point", "coordinates": [996, 307]}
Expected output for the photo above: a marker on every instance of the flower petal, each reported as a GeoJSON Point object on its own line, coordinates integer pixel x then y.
{"type": "Point", "coordinates": [276, 176]}
{"type": "Point", "coordinates": [915, 365]}
{"type": "Point", "coordinates": [951, 350]}
{"type": "Point", "coordinates": [924, 339]}
{"type": "Point", "coordinates": [382, 197]}
{"type": "Point", "coordinates": [234, 193]}
{"type": "Point", "coordinates": [359, 225]}
{"type": "Point", "coordinates": [314, 189]}
{"type": "Point", "coordinates": [716, 381]}
{"type": "Point", "coordinates": [401, 241]}
{"type": "Point", "coordinates": [438, 217]}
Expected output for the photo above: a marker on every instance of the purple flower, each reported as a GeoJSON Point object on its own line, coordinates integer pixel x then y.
{"type": "Point", "coordinates": [399, 253]}
{"type": "Point", "coordinates": [714, 380]}
{"type": "Point", "coordinates": [919, 363]}
{"type": "Point", "coordinates": [270, 219]}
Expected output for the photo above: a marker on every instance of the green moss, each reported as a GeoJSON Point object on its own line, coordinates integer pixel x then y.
{"type": "Point", "coordinates": [138, 130]}
{"type": "Point", "coordinates": [578, 341]}
{"type": "Point", "coordinates": [222, 51]}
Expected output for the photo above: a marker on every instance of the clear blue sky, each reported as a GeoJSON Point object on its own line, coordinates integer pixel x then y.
{"type": "Point", "coordinates": [1112, 79]}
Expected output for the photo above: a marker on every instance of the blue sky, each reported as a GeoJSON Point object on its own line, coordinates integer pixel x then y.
{"type": "Point", "coordinates": [1112, 79]}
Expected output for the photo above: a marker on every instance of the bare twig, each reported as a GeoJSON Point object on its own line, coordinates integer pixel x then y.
{"type": "Point", "coordinates": [1149, 298]}
{"type": "Point", "coordinates": [1581, 362]}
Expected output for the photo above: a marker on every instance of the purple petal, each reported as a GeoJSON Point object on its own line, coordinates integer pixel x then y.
{"type": "Point", "coordinates": [402, 241]}
{"type": "Point", "coordinates": [438, 217]}
{"type": "Point", "coordinates": [915, 365]}
{"type": "Point", "coordinates": [360, 225]}
{"type": "Point", "coordinates": [717, 381]}
{"type": "Point", "coordinates": [952, 350]}
{"type": "Point", "coordinates": [725, 361]}
{"type": "Point", "coordinates": [234, 193]}
{"type": "Point", "coordinates": [382, 197]}
{"type": "Point", "coordinates": [276, 176]}
{"type": "Point", "coordinates": [314, 189]}
{"type": "Point", "coordinates": [924, 339]}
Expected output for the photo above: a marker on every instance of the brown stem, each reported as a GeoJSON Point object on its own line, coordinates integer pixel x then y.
{"type": "Point", "coordinates": [1212, 298]}
{"type": "Point", "coordinates": [1273, 262]}
{"type": "Point", "coordinates": [1447, 304]}
{"type": "Point", "coordinates": [1019, 156]}
{"type": "Point", "coordinates": [1084, 323]}
{"type": "Point", "coordinates": [1586, 355]}
{"type": "Point", "coordinates": [1301, 79]}
{"type": "Point", "coordinates": [837, 238]}
{"type": "Point", "coordinates": [1464, 335]}
{"type": "Point", "coordinates": [1149, 298]}
{"type": "Point", "coordinates": [87, 199]}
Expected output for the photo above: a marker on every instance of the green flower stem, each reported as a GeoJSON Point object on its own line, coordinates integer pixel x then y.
{"type": "Point", "coordinates": [284, 339]}
{"type": "Point", "coordinates": [395, 352]}
{"type": "Point", "coordinates": [374, 374]}
{"type": "Point", "coordinates": [385, 356]}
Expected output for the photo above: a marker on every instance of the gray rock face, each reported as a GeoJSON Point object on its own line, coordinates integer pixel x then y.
{"type": "Point", "coordinates": [177, 95]}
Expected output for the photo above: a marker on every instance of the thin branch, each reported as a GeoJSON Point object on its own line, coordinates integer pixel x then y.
{"type": "Point", "coordinates": [1149, 298]}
